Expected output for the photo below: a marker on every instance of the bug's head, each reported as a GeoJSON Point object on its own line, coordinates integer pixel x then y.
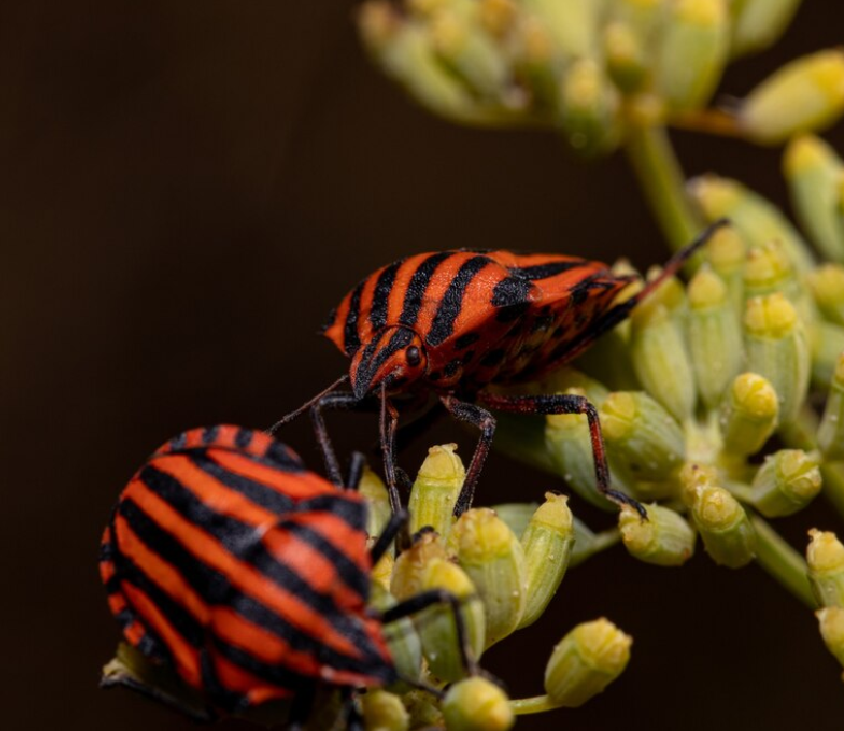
{"type": "Point", "coordinates": [395, 356]}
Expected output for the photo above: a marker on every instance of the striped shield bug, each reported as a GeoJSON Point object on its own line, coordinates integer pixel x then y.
{"type": "Point", "coordinates": [228, 562]}
{"type": "Point", "coordinates": [453, 323]}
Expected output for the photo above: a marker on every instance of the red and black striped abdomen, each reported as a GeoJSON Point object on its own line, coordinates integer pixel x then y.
{"type": "Point", "coordinates": [226, 558]}
{"type": "Point", "coordinates": [484, 317]}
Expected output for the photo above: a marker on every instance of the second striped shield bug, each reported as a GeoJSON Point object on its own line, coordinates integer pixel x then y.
{"type": "Point", "coordinates": [228, 562]}
{"type": "Point", "coordinates": [453, 323]}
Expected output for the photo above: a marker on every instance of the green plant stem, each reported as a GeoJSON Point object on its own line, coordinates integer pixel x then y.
{"type": "Point", "coordinates": [538, 704]}
{"type": "Point", "coordinates": [663, 183]}
{"type": "Point", "coordinates": [782, 561]}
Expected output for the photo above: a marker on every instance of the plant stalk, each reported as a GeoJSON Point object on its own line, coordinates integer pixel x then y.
{"type": "Point", "coordinates": [782, 562]}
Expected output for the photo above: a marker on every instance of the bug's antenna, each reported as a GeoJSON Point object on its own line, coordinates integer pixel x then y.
{"type": "Point", "coordinates": [304, 407]}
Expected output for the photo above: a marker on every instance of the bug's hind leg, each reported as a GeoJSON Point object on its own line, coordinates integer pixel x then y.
{"type": "Point", "coordinates": [483, 420]}
{"type": "Point", "coordinates": [567, 404]}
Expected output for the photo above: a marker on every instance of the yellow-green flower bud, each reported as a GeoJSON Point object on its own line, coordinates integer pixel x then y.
{"type": "Point", "coordinates": [825, 558]}
{"type": "Point", "coordinates": [436, 626]}
{"type": "Point", "coordinates": [715, 342]}
{"type": "Point", "coordinates": [831, 620]}
{"type": "Point", "coordinates": [661, 360]}
{"type": "Point", "coordinates": [435, 491]}
{"type": "Point", "coordinates": [572, 26]}
{"type": "Point", "coordinates": [498, 16]}
{"type": "Point", "coordinates": [754, 218]}
{"type": "Point", "coordinates": [476, 704]}
{"type": "Point", "coordinates": [726, 252]}
{"type": "Point", "coordinates": [585, 662]}
{"type": "Point", "coordinates": [692, 52]}
{"type": "Point", "coordinates": [589, 104]}
{"type": "Point", "coordinates": [777, 349]}
{"type": "Point", "coordinates": [377, 499]}
{"type": "Point", "coordinates": [665, 538]}
{"type": "Point", "coordinates": [727, 534]}
{"type": "Point", "coordinates": [787, 481]}
{"type": "Point", "coordinates": [642, 434]}
{"type": "Point", "coordinates": [423, 708]}
{"type": "Point", "coordinates": [626, 58]}
{"type": "Point", "coordinates": [569, 447]}
{"type": "Point", "coordinates": [384, 711]}
{"type": "Point", "coordinates": [831, 429]}
{"type": "Point", "coordinates": [827, 284]}
{"type": "Point", "coordinates": [757, 24]}
{"type": "Point", "coordinates": [492, 557]}
{"type": "Point", "coordinates": [751, 414]}
{"type": "Point", "coordinates": [694, 476]}
{"type": "Point", "coordinates": [645, 17]}
{"type": "Point", "coordinates": [468, 50]}
{"type": "Point", "coordinates": [516, 515]}
{"type": "Point", "coordinates": [547, 544]}
{"type": "Point", "coordinates": [768, 269]}
{"type": "Point", "coordinates": [815, 173]}
{"type": "Point", "coordinates": [409, 566]}
{"type": "Point", "coordinates": [827, 345]}
{"type": "Point", "coordinates": [400, 636]}
{"type": "Point", "coordinates": [802, 96]}
{"type": "Point", "coordinates": [382, 572]}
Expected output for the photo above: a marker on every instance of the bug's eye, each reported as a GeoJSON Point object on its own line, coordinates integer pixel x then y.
{"type": "Point", "coordinates": [414, 357]}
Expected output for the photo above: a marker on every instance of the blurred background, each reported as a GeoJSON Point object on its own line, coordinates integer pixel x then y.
{"type": "Point", "coordinates": [186, 188]}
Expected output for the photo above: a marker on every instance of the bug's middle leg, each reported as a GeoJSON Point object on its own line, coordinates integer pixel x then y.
{"type": "Point", "coordinates": [553, 404]}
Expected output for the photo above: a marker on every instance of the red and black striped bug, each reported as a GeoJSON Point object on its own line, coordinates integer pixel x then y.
{"type": "Point", "coordinates": [229, 562]}
{"type": "Point", "coordinates": [455, 322]}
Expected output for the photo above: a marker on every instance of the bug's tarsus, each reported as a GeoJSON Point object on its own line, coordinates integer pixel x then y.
{"type": "Point", "coordinates": [552, 404]}
{"type": "Point", "coordinates": [485, 422]}
{"type": "Point", "coordinates": [425, 599]}
{"type": "Point", "coordinates": [287, 418]}
{"type": "Point", "coordinates": [397, 522]}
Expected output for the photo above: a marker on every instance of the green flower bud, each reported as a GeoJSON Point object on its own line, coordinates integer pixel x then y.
{"type": "Point", "coordinates": [692, 52]}
{"type": "Point", "coordinates": [754, 218]}
{"type": "Point", "coordinates": [547, 544]}
{"type": "Point", "coordinates": [645, 17]}
{"type": "Point", "coordinates": [694, 476]}
{"type": "Point", "coordinates": [585, 662]}
{"type": "Point", "coordinates": [831, 620]}
{"type": "Point", "coordinates": [825, 558]}
{"type": "Point", "coordinates": [802, 96]}
{"type": "Point", "coordinates": [786, 482]}
{"type": "Point", "coordinates": [382, 572]}
{"type": "Point", "coordinates": [827, 284]}
{"type": "Point", "coordinates": [410, 565]}
{"type": "Point", "coordinates": [383, 711]}
{"type": "Point", "coordinates": [377, 499]}
{"type": "Point", "coordinates": [757, 24]}
{"type": "Point", "coordinates": [777, 349]}
{"type": "Point", "coordinates": [569, 446]}
{"type": "Point", "coordinates": [661, 360]}
{"type": "Point", "coordinates": [727, 534]}
{"type": "Point", "coordinates": [492, 557]}
{"type": "Point", "coordinates": [768, 269]}
{"type": "Point", "coordinates": [714, 336]}
{"type": "Point", "coordinates": [572, 26]}
{"type": "Point", "coordinates": [815, 173]}
{"type": "Point", "coordinates": [589, 104]}
{"type": "Point", "coordinates": [436, 627]}
{"type": "Point", "coordinates": [827, 345]}
{"type": "Point", "coordinates": [626, 58]}
{"type": "Point", "coordinates": [751, 414]}
{"type": "Point", "coordinates": [405, 646]}
{"type": "Point", "coordinates": [643, 434]}
{"type": "Point", "coordinates": [664, 538]}
{"type": "Point", "coordinates": [476, 704]}
{"type": "Point", "coordinates": [726, 253]}
{"type": "Point", "coordinates": [435, 491]}
{"type": "Point", "coordinates": [468, 50]}
{"type": "Point", "coordinates": [831, 429]}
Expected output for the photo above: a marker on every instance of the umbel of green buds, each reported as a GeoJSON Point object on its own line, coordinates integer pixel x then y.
{"type": "Point", "coordinates": [825, 558]}
{"type": "Point", "coordinates": [727, 534]}
{"type": "Point", "coordinates": [476, 704]}
{"type": "Point", "coordinates": [435, 491]}
{"type": "Point", "coordinates": [491, 555]}
{"type": "Point", "coordinates": [547, 543]}
{"type": "Point", "coordinates": [585, 662]}
{"type": "Point", "coordinates": [665, 538]}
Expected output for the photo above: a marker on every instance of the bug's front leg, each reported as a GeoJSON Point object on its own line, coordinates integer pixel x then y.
{"type": "Point", "coordinates": [552, 404]}
{"type": "Point", "coordinates": [483, 420]}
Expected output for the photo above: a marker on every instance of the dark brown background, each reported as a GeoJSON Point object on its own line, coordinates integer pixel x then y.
{"type": "Point", "coordinates": [185, 190]}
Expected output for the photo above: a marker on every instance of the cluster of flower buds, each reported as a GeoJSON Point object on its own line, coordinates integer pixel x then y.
{"type": "Point", "coordinates": [504, 565]}
{"type": "Point", "coordinates": [594, 69]}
